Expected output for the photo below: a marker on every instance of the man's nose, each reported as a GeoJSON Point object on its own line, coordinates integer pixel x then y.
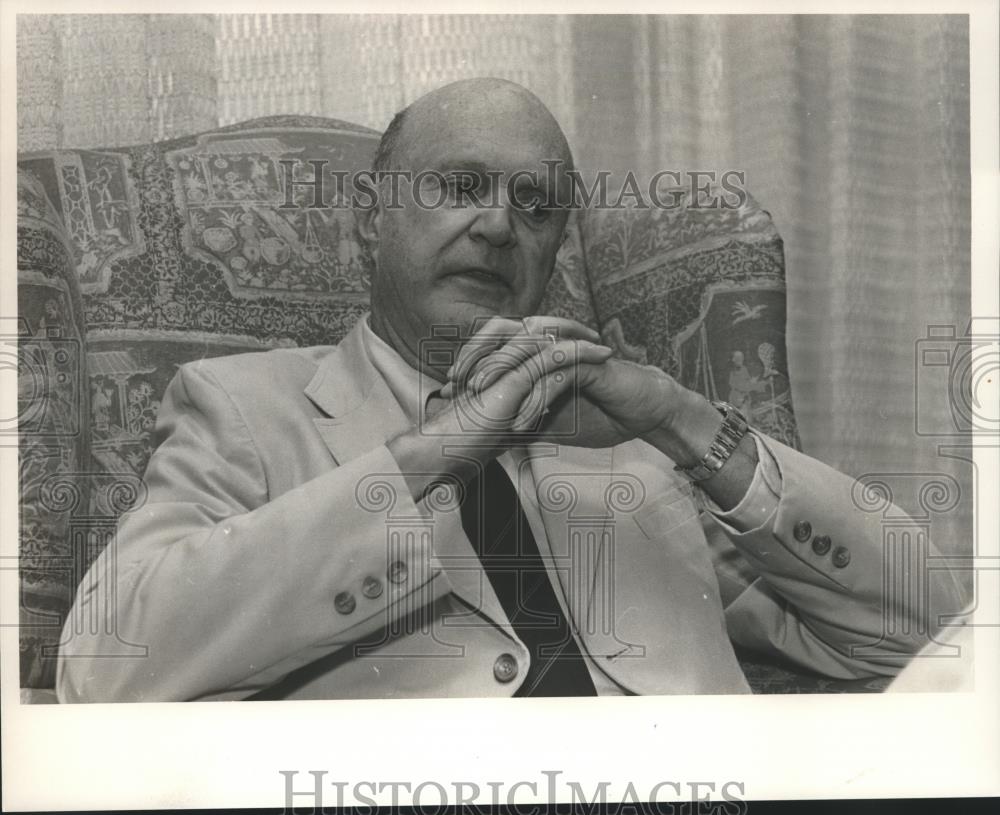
{"type": "Point", "coordinates": [494, 224]}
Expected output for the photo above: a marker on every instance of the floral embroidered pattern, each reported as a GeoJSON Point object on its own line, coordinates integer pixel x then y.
{"type": "Point", "coordinates": [234, 190]}
{"type": "Point", "coordinates": [700, 292]}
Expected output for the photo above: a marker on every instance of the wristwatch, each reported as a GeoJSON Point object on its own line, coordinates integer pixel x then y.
{"type": "Point", "coordinates": [734, 428]}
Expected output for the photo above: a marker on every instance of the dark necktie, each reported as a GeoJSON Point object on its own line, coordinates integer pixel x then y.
{"type": "Point", "coordinates": [498, 529]}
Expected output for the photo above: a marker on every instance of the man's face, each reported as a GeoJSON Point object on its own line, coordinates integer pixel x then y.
{"type": "Point", "coordinates": [442, 258]}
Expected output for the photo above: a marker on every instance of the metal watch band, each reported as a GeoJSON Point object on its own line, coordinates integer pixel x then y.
{"type": "Point", "coordinates": [734, 428]}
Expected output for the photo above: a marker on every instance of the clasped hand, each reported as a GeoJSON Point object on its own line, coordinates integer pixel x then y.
{"type": "Point", "coordinates": [548, 379]}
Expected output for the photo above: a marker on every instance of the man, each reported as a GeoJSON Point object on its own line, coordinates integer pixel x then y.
{"type": "Point", "coordinates": [382, 519]}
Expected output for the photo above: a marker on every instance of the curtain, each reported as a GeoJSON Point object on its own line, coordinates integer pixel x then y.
{"type": "Point", "coordinates": [851, 130]}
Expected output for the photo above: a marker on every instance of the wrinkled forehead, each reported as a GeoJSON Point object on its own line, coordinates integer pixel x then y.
{"type": "Point", "coordinates": [502, 131]}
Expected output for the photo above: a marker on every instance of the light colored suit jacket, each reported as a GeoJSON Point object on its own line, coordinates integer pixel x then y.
{"type": "Point", "coordinates": [278, 551]}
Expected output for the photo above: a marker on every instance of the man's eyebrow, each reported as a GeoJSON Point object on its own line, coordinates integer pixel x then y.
{"type": "Point", "coordinates": [525, 182]}
{"type": "Point", "coordinates": [468, 166]}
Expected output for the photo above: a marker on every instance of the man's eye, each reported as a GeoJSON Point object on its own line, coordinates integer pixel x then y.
{"type": "Point", "coordinates": [534, 208]}
{"type": "Point", "coordinates": [463, 183]}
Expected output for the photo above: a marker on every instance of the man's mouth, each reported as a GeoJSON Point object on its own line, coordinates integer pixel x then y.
{"type": "Point", "coordinates": [484, 276]}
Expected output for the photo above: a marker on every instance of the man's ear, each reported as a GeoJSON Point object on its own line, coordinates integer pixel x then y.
{"type": "Point", "coordinates": [369, 223]}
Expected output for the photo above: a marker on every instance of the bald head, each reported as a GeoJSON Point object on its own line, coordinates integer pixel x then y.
{"type": "Point", "coordinates": [484, 107]}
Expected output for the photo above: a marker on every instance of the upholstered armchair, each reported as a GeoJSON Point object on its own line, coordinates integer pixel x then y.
{"type": "Point", "coordinates": [132, 261]}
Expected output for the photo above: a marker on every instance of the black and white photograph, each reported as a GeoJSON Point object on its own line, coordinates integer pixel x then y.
{"type": "Point", "coordinates": [503, 362]}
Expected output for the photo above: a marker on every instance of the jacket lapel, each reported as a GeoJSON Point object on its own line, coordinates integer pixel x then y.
{"type": "Point", "coordinates": [361, 414]}
{"type": "Point", "coordinates": [581, 503]}
{"type": "Point", "coordinates": [640, 582]}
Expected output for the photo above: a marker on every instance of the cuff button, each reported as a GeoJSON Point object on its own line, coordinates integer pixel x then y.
{"type": "Point", "coordinates": [802, 531]}
{"type": "Point", "coordinates": [821, 544]}
{"type": "Point", "coordinates": [841, 557]}
{"type": "Point", "coordinates": [397, 572]}
{"type": "Point", "coordinates": [344, 602]}
{"type": "Point", "coordinates": [371, 587]}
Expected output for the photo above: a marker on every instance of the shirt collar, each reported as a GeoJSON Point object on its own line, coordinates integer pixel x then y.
{"type": "Point", "coordinates": [408, 385]}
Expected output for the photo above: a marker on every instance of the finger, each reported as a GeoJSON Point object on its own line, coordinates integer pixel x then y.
{"type": "Point", "coordinates": [547, 390]}
{"type": "Point", "coordinates": [544, 357]}
{"type": "Point", "coordinates": [494, 409]}
{"type": "Point", "coordinates": [561, 327]}
{"type": "Point", "coordinates": [515, 385]}
{"type": "Point", "coordinates": [498, 331]}
{"type": "Point", "coordinates": [540, 399]}
{"type": "Point", "coordinates": [544, 394]}
{"type": "Point", "coordinates": [516, 351]}
{"type": "Point", "coordinates": [493, 334]}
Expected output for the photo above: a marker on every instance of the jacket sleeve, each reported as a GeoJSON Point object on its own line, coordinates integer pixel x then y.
{"type": "Point", "coordinates": [835, 590]}
{"type": "Point", "coordinates": [218, 591]}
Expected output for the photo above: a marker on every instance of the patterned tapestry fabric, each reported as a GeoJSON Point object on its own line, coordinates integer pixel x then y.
{"type": "Point", "coordinates": [698, 289]}
{"type": "Point", "coordinates": [765, 675]}
{"type": "Point", "coordinates": [54, 428]}
{"type": "Point", "coordinates": [183, 249]}
{"type": "Point", "coordinates": [568, 293]}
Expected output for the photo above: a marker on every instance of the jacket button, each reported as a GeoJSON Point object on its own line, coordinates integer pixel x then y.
{"type": "Point", "coordinates": [821, 544]}
{"type": "Point", "coordinates": [397, 572]}
{"type": "Point", "coordinates": [371, 587]}
{"type": "Point", "coordinates": [505, 668]}
{"type": "Point", "coordinates": [802, 530]}
{"type": "Point", "coordinates": [345, 602]}
{"type": "Point", "coordinates": [841, 556]}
